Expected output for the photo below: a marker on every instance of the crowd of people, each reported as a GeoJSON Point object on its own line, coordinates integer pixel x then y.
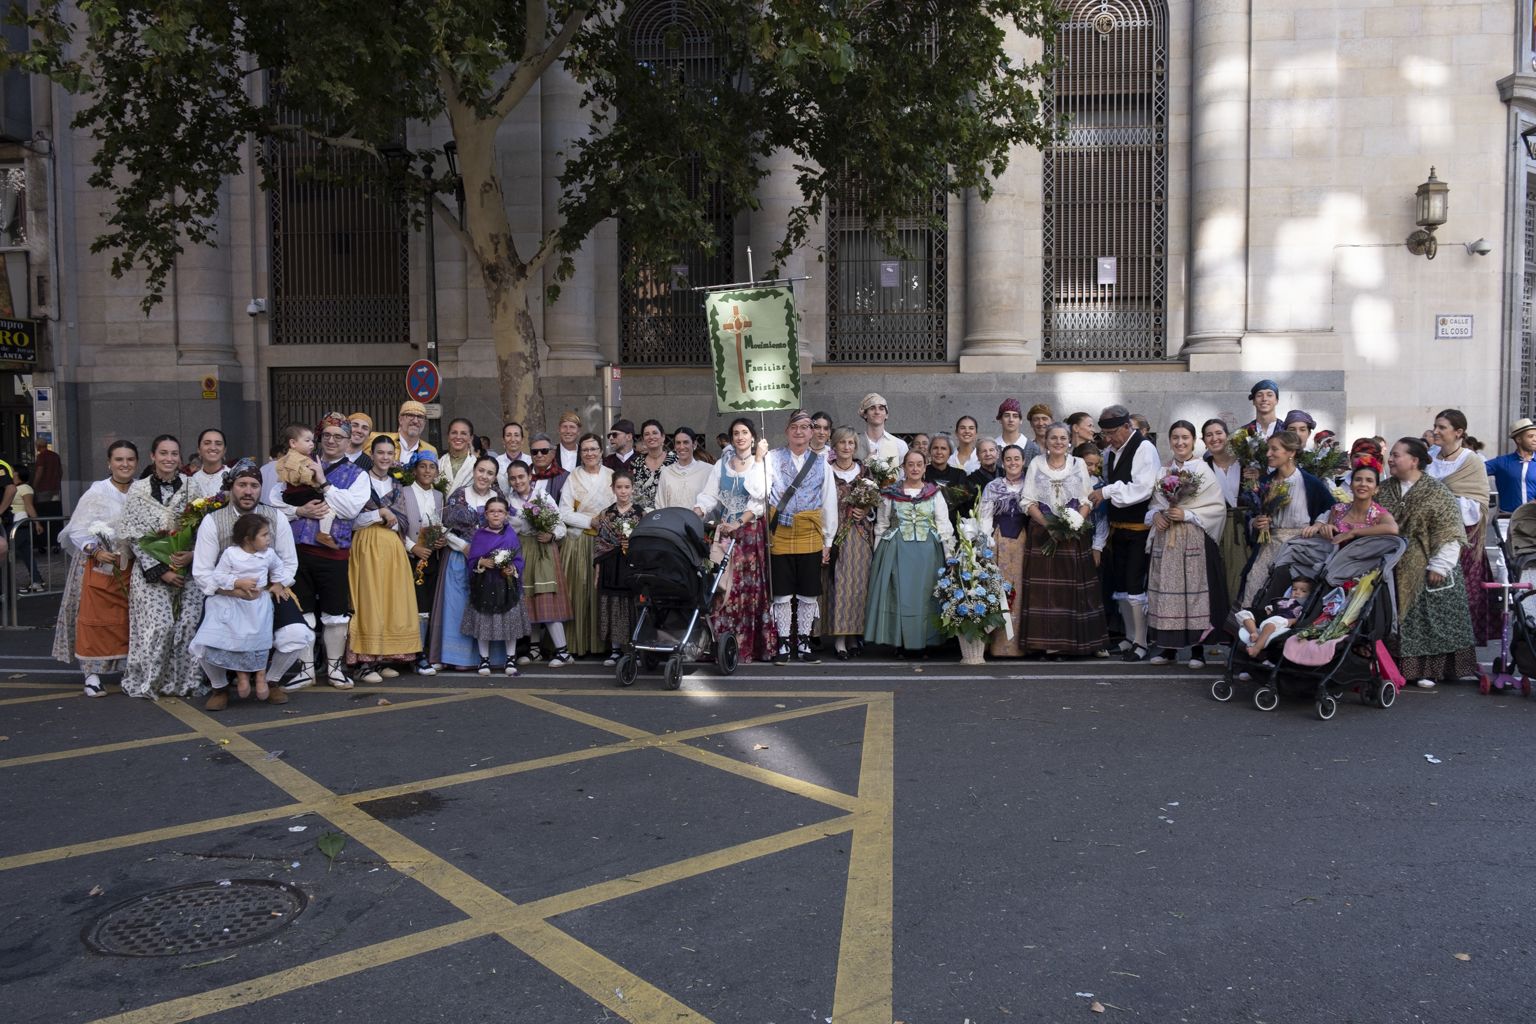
{"type": "Point", "coordinates": [354, 555]}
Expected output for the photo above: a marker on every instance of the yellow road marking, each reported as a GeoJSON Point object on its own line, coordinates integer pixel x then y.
{"type": "Point", "coordinates": [707, 694]}
{"type": "Point", "coordinates": [155, 835]}
{"type": "Point", "coordinates": [862, 994]}
{"type": "Point", "coordinates": [61, 687]}
{"type": "Point", "coordinates": [39, 698]}
{"type": "Point", "coordinates": [105, 748]}
{"type": "Point", "coordinates": [374, 709]}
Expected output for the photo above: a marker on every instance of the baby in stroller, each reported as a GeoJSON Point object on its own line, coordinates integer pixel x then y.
{"type": "Point", "coordinates": [1280, 616]}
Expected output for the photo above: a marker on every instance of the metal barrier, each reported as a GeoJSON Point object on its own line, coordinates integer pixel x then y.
{"type": "Point", "coordinates": [51, 566]}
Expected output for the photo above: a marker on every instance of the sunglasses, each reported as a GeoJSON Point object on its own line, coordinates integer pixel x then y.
{"type": "Point", "coordinates": [539, 451]}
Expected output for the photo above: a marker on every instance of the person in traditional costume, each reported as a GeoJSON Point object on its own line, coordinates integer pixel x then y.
{"type": "Point", "coordinates": [1301, 423]}
{"type": "Point", "coordinates": [964, 456]}
{"type": "Point", "coordinates": [92, 628]}
{"type": "Point", "coordinates": [493, 614]}
{"type": "Point", "coordinates": [1060, 602]}
{"type": "Point", "coordinates": [1228, 470]}
{"type": "Point", "coordinates": [621, 436]}
{"type": "Point", "coordinates": [738, 487]}
{"type": "Point", "coordinates": [1306, 498]}
{"type": "Point", "coordinates": [949, 477]}
{"type": "Point", "coordinates": [821, 434]}
{"type": "Point", "coordinates": [456, 463]}
{"type": "Point", "coordinates": [544, 591]}
{"type": "Point", "coordinates": [360, 426]}
{"type": "Point", "coordinates": [587, 492]}
{"type": "Point", "coordinates": [1130, 474]}
{"type": "Point", "coordinates": [646, 468]}
{"type": "Point", "coordinates": [1434, 633]}
{"type": "Point", "coordinates": [847, 597]}
{"type": "Point", "coordinates": [569, 430]}
{"type": "Point", "coordinates": [875, 442]}
{"type": "Point", "coordinates": [321, 584]}
{"type": "Point", "coordinates": [1363, 516]}
{"type": "Point", "coordinates": [1040, 417]}
{"type": "Point", "coordinates": [163, 612]}
{"type": "Point", "coordinates": [610, 552]}
{"type": "Point", "coordinates": [989, 464]}
{"type": "Point", "coordinates": [912, 539]}
{"type": "Point", "coordinates": [1457, 464]}
{"type": "Point", "coordinates": [1186, 582]}
{"type": "Point", "coordinates": [684, 477]}
{"type": "Point", "coordinates": [544, 468]}
{"type": "Point", "coordinates": [421, 507]}
{"type": "Point", "coordinates": [384, 628]}
{"type": "Point", "coordinates": [802, 520]}
{"type": "Point", "coordinates": [512, 448]}
{"type": "Point", "coordinates": [291, 636]}
{"type": "Point", "coordinates": [1002, 518]}
{"type": "Point", "coordinates": [1265, 396]}
{"type": "Point", "coordinates": [236, 632]}
{"type": "Point", "coordinates": [408, 440]}
{"type": "Point", "coordinates": [1010, 417]}
{"type": "Point", "coordinates": [463, 514]}
{"type": "Point", "coordinates": [206, 475]}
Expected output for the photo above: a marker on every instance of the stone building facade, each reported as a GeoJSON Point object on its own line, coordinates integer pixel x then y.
{"type": "Point", "coordinates": [1250, 168]}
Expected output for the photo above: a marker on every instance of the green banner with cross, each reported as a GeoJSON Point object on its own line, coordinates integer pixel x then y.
{"type": "Point", "coordinates": [755, 348]}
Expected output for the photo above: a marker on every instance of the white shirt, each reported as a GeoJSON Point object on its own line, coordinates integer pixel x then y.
{"type": "Point", "coordinates": [887, 446]}
{"type": "Point", "coordinates": [970, 465]}
{"type": "Point", "coordinates": [828, 492]}
{"type": "Point", "coordinates": [206, 485]}
{"type": "Point", "coordinates": [1230, 479]}
{"type": "Point", "coordinates": [205, 555]}
{"type": "Point", "coordinates": [381, 488]}
{"type": "Point", "coordinates": [1144, 467]}
{"type": "Point", "coordinates": [680, 485]}
{"type": "Point", "coordinates": [1471, 511]}
{"type": "Point", "coordinates": [570, 458]}
{"type": "Point", "coordinates": [345, 503]}
{"type": "Point", "coordinates": [504, 460]}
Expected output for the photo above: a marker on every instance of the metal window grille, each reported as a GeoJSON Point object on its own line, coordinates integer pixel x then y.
{"type": "Point", "coordinates": [304, 395]}
{"type": "Point", "coordinates": [340, 253]}
{"type": "Point", "coordinates": [1527, 302]}
{"type": "Point", "coordinates": [1106, 184]}
{"type": "Point", "coordinates": [874, 315]}
{"type": "Point", "coordinates": [661, 322]}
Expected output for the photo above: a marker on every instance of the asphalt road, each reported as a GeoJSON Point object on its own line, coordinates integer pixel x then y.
{"type": "Point", "coordinates": [864, 842]}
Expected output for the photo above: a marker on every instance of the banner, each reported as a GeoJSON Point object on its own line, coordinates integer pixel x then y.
{"type": "Point", "coordinates": [18, 341]}
{"type": "Point", "coordinates": [755, 348]}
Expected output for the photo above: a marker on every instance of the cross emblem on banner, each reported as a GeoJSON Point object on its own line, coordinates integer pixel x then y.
{"type": "Point", "coordinates": [738, 326]}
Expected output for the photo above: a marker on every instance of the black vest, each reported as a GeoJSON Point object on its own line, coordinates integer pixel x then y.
{"type": "Point", "coordinates": [1121, 474]}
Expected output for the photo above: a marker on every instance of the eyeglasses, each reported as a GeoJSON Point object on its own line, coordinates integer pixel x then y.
{"type": "Point", "coordinates": [613, 433]}
{"type": "Point", "coordinates": [413, 416]}
{"type": "Point", "coordinates": [539, 451]}
{"type": "Point", "coordinates": [335, 436]}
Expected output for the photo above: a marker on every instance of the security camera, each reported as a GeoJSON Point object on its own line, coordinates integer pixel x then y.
{"type": "Point", "coordinates": [1481, 247]}
{"type": "Point", "coordinates": [256, 307]}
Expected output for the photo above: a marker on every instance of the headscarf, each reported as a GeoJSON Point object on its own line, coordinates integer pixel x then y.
{"type": "Point", "coordinates": [873, 398]}
{"type": "Point", "coordinates": [245, 467]}
{"type": "Point", "coordinates": [422, 455]}
{"type": "Point", "coordinates": [1299, 416]}
{"type": "Point", "coordinates": [1264, 385]}
{"type": "Point", "coordinates": [1009, 405]}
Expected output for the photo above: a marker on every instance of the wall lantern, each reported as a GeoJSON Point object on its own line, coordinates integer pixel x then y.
{"type": "Point", "coordinates": [1431, 202]}
{"type": "Point", "coordinates": [1529, 138]}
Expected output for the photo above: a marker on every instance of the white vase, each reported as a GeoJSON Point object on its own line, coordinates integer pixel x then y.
{"type": "Point", "coordinates": [972, 651]}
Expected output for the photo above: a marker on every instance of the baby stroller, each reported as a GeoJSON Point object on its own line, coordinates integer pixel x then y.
{"type": "Point", "coordinates": [669, 562]}
{"type": "Point", "coordinates": [1304, 556]}
{"type": "Point", "coordinates": [1517, 543]}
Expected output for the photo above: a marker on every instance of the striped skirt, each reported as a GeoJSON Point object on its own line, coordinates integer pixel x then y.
{"type": "Point", "coordinates": [544, 594]}
{"type": "Point", "coordinates": [1060, 606]}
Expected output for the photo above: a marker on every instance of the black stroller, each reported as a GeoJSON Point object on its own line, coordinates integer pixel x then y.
{"type": "Point", "coordinates": [1365, 613]}
{"type": "Point", "coordinates": [676, 584]}
{"type": "Point", "coordinates": [1517, 657]}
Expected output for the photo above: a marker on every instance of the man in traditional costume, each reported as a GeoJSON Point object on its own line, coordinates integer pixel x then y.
{"type": "Point", "coordinates": [1265, 396]}
{"type": "Point", "coordinates": [1130, 474]}
{"type": "Point", "coordinates": [408, 439]}
{"type": "Point", "coordinates": [874, 442]}
{"type": "Point", "coordinates": [570, 434]}
{"type": "Point", "coordinates": [802, 520]}
{"type": "Point", "coordinates": [548, 476]}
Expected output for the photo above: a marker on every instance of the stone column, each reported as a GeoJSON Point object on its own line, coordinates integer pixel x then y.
{"type": "Point", "coordinates": [203, 293]}
{"type": "Point", "coordinates": [1217, 296]}
{"type": "Point", "coordinates": [777, 194]}
{"type": "Point", "coordinates": [570, 323]}
{"type": "Point", "coordinates": [1003, 261]}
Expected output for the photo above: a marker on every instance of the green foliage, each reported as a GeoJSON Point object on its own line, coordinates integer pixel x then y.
{"type": "Point", "coordinates": [330, 844]}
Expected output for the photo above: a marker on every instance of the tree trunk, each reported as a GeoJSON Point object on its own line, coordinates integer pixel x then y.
{"type": "Point", "coordinates": [517, 355]}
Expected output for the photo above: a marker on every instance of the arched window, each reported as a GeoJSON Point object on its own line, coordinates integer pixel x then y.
{"type": "Point", "coordinates": [661, 322]}
{"type": "Point", "coordinates": [1105, 237]}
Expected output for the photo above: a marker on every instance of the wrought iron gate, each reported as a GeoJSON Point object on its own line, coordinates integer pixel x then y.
{"type": "Point", "coordinates": [304, 395]}
{"type": "Point", "coordinates": [1106, 184]}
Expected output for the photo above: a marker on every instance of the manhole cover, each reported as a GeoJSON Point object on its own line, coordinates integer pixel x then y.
{"type": "Point", "coordinates": [194, 918]}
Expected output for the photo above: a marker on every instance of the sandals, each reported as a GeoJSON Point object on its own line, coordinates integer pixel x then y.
{"type": "Point", "coordinates": [485, 667]}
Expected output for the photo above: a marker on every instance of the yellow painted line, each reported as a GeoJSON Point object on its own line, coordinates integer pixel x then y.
{"type": "Point", "coordinates": [191, 828]}
{"type": "Point", "coordinates": [482, 774]}
{"type": "Point", "coordinates": [304, 975]}
{"type": "Point", "coordinates": [862, 994]}
{"type": "Point", "coordinates": [372, 709]}
{"type": "Point", "coordinates": [324, 690]}
{"type": "Point", "coordinates": [105, 748]}
{"type": "Point", "coordinates": [61, 687]}
{"type": "Point", "coordinates": [39, 698]}
{"type": "Point", "coordinates": [755, 722]}
{"type": "Point", "coordinates": [708, 694]}
{"type": "Point", "coordinates": [765, 776]}
{"type": "Point", "coordinates": [629, 732]}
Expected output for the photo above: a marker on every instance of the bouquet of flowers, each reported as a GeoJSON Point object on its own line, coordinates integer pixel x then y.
{"type": "Point", "coordinates": [626, 527]}
{"type": "Point", "coordinates": [1177, 486]}
{"type": "Point", "coordinates": [1272, 498]}
{"type": "Point", "coordinates": [882, 471]}
{"type": "Point", "coordinates": [1252, 451]}
{"type": "Point", "coordinates": [501, 560]}
{"type": "Point", "coordinates": [1323, 463]}
{"type": "Point", "coordinates": [162, 544]}
{"type": "Point", "coordinates": [427, 538]}
{"type": "Point", "coordinates": [106, 539]}
{"type": "Point", "coordinates": [865, 495]}
{"type": "Point", "coordinates": [958, 496]}
{"type": "Point", "coordinates": [1341, 608]}
{"type": "Point", "coordinates": [541, 514]}
{"type": "Point", "coordinates": [1072, 522]}
{"type": "Point", "coordinates": [973, 596]}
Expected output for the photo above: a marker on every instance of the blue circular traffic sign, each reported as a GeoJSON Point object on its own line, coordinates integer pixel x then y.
{"type": "Point", "coordinates": [422, 380]}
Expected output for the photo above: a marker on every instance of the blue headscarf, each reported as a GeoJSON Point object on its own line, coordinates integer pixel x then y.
{"type": "Point", "coordinates": [1262, 385]}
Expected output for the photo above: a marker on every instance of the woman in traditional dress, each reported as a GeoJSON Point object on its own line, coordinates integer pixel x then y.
{"type": "Point", "coordinates": [685, 476]}
{"type": "Point", "coordinates": [610, 551]}
{"type": "Point", "coordinates": [848, 597]}
{"type": "Point", "coordinates": [1361, 517]}
{"type": "Point", "coordinates": [1000, 511]}
{"type": "Point", "coordinates": [1458, 465]}
{"type": "Point", "coordinates": [384, 627]}
{"type": "Point", "coordinates": [587, 492]}
{"type": "Point", "coordinates": [544, 598]}
{"type": "Point", "coordinates": [648, 463]}
{"type": "Point", "coordinates": [163, 612]}
{"type": "Point", "coordinates": [1061, 604]}
{"type": "Point", "coordinates": [456, 463]}
{"type": "Point", "coordinates": [951, 480]}
{"type": "Point", "coordinates": [988, 465]}
{"type": "Point", "coordinates": [463, 514]}
{"type": "Point", "coordinates": [93, 615]}
{"type": "Point", "coordinates": [1306, 498]}
{"type": "Point", "coordinates": [1186, 581]}
{"type": "Point", "coordinates": [1229, 474]}
{"type": "Point", "coordinates": [912, 539]}
{"type": "Point", "coordinates": [422, 508]}
{"type": "Point", "coordinates": [964, 456]}
{"type": "Point", "coordinates": [738, 487]}
{"type": "Point", "coordinates": [1434, 627]}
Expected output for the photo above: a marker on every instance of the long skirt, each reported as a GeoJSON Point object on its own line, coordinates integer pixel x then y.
{"type": "Point", "coordinates": [384, 618]}
{"type": "Point", "coordinates": [450, 644]}
{"type": "Point", "coordinates": [849, 595]}
{"type": "Point", "coordinates": [159, 655]}
{"type": "Point", "coordinates": [1011, 555]}
{"type": "Point", "coordinates": [1060, 607]}
{"type": "Point", "coordinates": [1263, 561]}
{"type": "Point", "coordinates": [581, 636]}
{"type": "Point", "coordinates": [93, 618]}
{"type": "Point", "coordinates": [235, 634]}
{"type": "Point", "coordinates": [1486, 622]}
{"type": "Point", "coordinates": [1434, 638]}
{"type": "Point", "coordinates": [1185, 587]}
{"type": "Point", "coordinates": [615, 617]}
{"type": "Point", "coordinates": [489, 614]}
{"type": "Point", "coordinates": [902, 609]}
{"type": "Point", "coordinates": [544, 593]}
{"type": "Point", "coordinates": [1234, 552]}
{"type": "Point", "coordinates": [744, 609]}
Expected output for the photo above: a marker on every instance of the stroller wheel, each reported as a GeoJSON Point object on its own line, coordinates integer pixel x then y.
{"type": "Point", "coordinates": [727, 653]}
{"type": "Point", "coordinates": [1326, 708]}
{"type": "Point", "coordinates": [1265, 698]}
{"type": "Point", "coordinates": [1484, 684]}
{"type": "Point", "coordinates": [1387, 695]}
{"type": "Point", "coordinates": [626, 670]}
{"type": "Point", "coordinates": [673, 672]}
{"type": "Point", "coordinates": [1221, 690]}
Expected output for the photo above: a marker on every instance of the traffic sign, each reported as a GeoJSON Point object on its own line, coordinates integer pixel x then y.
{"type": "Point", "coordinates": [422, 380]}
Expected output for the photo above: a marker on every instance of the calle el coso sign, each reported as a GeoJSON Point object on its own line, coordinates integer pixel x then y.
{"type": "Point", "coordinates": [18, 341]}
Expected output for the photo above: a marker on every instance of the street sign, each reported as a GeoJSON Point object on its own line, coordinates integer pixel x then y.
{"type": "Point", "coordinates": [211, 386]}
{"type": "Point", "coordinates": [422, 380]}
{"type": "Point", "coordinates": [18, 340]}
{"type": "Point", "coordinates": [1453, 326]}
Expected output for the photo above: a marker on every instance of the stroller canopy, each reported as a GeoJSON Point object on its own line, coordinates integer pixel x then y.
{"type": "Point", "coordinates": [1522, 536]}
{"type": "Point", "coordinates": [677, 529]}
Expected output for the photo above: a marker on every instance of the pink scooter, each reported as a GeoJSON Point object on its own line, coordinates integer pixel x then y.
{"type": "Point", "coordinates": [1500, 674]}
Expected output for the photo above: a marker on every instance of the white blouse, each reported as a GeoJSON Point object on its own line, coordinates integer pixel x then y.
{"type": "Point", "coordinates": [1471, 511]}
{"type": "Point", "coordinates": [1230, 479]}
{"type": "Point", "coordinates": [1294, 515]}
{"type": "Point", "coordinates": [1056, 487]}
{"type": "Point", "coordinates": [755, 478]}
{"type": "Point", "coordinates": [987, 506]}
{"type": "Point", "coordinates": [584, 496]}
{"type": "Point", "coordinates": [516, 505]}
